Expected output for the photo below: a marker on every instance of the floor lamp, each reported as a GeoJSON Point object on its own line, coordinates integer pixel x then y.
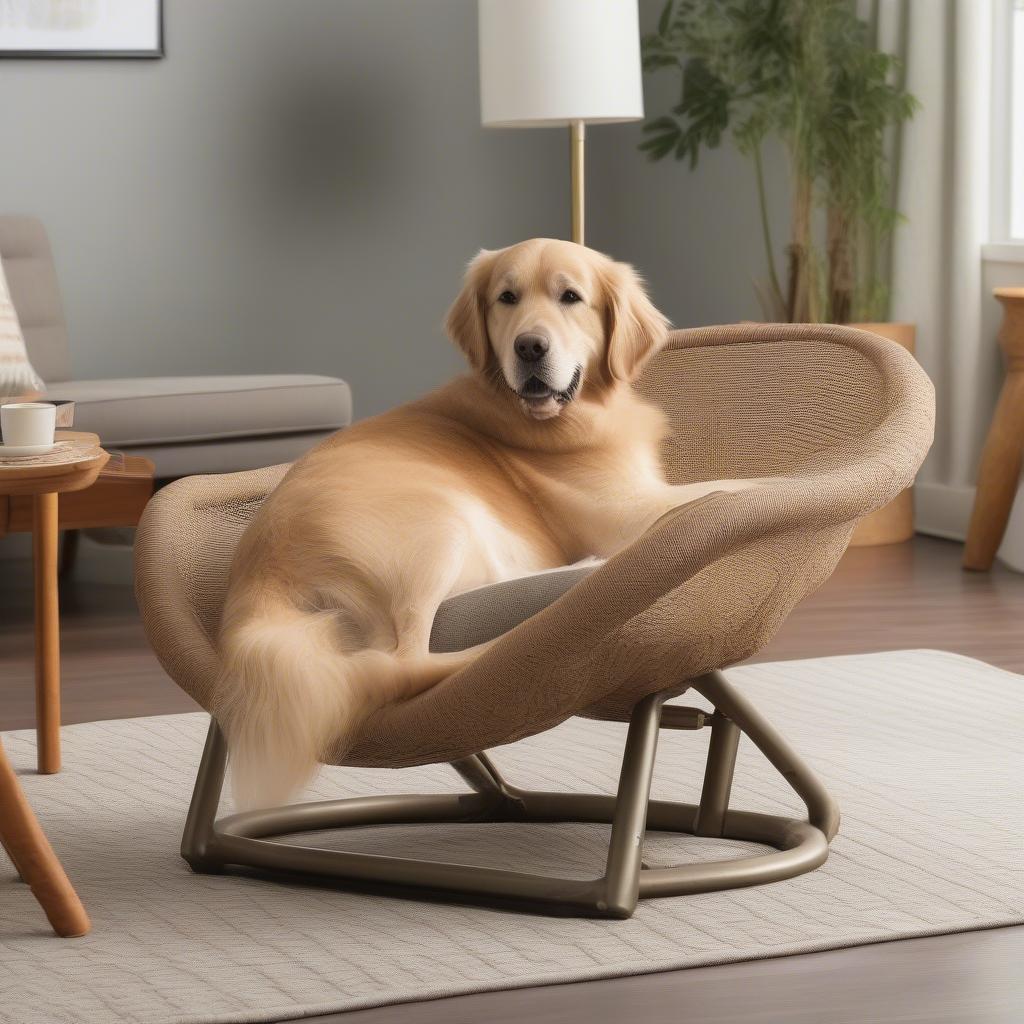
{"type": "Point", "coordinates": [558, 63]}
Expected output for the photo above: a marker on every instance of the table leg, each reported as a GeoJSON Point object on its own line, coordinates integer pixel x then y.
{"type": "Point", "coordinates": [44, 547]}
{"type": "Point", "coordinates": [34, 858]}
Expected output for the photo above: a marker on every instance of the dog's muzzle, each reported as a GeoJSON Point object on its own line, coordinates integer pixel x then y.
{"type": "Point", "coordinates": [541, 400]}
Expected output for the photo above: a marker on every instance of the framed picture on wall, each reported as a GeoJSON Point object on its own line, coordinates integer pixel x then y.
{"type": "Point", "coordinates": [81, 28]}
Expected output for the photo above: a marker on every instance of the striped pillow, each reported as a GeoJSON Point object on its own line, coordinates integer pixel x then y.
{"type": "Point", "coordinates": [17, 377]}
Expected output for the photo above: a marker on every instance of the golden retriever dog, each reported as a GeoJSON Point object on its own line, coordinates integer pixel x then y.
{"type": "Point", "coordinates": [539, 457]}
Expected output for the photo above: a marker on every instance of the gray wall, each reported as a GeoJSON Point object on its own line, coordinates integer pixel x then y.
{"type": "Point", "coordinates": [297, 186]}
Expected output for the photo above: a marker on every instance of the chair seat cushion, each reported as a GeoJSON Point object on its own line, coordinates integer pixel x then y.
{"type": "Point", "coordinates": [169, 410]}
{"type": "Point", "coordinates": [477, 615]}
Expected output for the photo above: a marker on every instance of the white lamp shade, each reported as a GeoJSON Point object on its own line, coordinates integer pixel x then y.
{"type": "Point", "coordinates": [550, 62]}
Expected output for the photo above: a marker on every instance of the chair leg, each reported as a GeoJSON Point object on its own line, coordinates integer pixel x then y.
{"type": "Point", "coordinates": [482, 776]}
{"type": "Point", "coordinates": [721, 764]}
{"type": "Point", "coordinates": [202, 811]}
{"type": "Point", "coordinates": [34, 859]}
{"type": "Point", "coordinates": [629, 823]}
{"type": "Point", "coordinates": [822, 810]}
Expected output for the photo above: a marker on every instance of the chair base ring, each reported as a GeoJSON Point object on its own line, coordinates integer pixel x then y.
{"type": "Point", "coordinates": [250, 839]}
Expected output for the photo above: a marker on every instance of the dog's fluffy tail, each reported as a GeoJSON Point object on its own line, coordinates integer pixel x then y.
{"type": "Point", "coordinates": [290, 694]}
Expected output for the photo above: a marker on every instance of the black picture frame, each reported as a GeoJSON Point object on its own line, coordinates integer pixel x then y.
{"type": "Point", "coordinates": [155, 54]}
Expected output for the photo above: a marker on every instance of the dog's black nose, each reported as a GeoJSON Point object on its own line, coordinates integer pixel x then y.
{"type": "Point", "coordinates": [531, 347]}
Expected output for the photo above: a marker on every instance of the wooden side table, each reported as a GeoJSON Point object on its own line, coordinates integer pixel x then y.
{"type": "Point", "coordinates": [44, 483]}
{"type": "Point", "coordinates": [117, 498]}
{"type": "Point", "coordinates": [999, 471]}
{"type": "Point", "coordinates": [20, 833]}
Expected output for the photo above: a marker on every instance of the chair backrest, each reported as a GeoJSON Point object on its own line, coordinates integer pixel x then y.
{"type": "Point", "coordinates": [32, 278]}
{"type": "Point", "coordinates": [766, 400]}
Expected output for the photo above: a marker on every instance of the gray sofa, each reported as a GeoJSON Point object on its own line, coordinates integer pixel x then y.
{"type": "Point", "coordinates": [185, 425]}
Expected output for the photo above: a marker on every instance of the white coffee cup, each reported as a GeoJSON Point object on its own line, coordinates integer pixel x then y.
{"type": "Point", "coordinates": [28, 424]}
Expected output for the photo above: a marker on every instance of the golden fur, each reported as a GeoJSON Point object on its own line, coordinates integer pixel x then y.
{"type": "Point", "coordinates": [497, 474]}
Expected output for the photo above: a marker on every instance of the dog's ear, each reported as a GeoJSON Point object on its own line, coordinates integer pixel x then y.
{"type": "Point", "coordinates": [634, 329]}
{"type": "Point", "coordinates": [466, 323]}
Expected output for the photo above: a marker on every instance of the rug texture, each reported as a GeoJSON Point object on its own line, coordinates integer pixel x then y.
{"type": "Point", "coordinates": [924, 750]}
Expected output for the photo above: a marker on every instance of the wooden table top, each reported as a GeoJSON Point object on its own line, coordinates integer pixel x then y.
{"type": "Point", "coordinates": [58, 478]}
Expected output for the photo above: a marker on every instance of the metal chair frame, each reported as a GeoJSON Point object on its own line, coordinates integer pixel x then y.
{"type": "Point", "coordinates": [247, 839]}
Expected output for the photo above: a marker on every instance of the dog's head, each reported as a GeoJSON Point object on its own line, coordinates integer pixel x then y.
{"type": "Point", "coordinates": [546, 317]}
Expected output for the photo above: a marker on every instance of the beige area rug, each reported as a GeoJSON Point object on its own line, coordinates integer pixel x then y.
{"type": "Point", "coordinates": [924, 750]}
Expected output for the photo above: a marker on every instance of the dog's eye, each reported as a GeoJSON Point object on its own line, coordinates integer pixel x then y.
{"type": "Point", "coordinates": [508, 298]}
{"type": "Point", "coordinates": [569, 297]}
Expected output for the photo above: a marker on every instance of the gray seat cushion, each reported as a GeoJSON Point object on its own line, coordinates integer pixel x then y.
{"type": "Point", "coordinates": [147, 411]}
{"type": "Point", "coordinates": [475, 616]}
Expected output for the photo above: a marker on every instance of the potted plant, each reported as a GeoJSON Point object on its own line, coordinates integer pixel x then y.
{"type": "Point", "coordinates": [806, 73]}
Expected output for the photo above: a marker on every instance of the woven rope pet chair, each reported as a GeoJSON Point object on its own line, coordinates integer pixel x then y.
{"type": "Point", "coordinates": [839, 419]}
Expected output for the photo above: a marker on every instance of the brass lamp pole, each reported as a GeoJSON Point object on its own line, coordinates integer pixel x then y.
{"type": "Point", "coordinates": [577, 139]}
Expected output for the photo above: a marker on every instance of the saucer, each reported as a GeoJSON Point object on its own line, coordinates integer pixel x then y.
{"type": "Point", "coordinates": [23, 451]}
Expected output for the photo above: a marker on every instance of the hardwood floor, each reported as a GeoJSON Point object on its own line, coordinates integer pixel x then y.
{"type": "Point", "coordinates": [903, 596]}
{"type": "Point", "coordinates": [906, 596]}
{"type": "Point", "coordinates": [973, 978]}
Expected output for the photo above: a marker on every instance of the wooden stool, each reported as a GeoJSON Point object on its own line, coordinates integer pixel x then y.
{"type": "Point", "coordinates": [1000, 466]}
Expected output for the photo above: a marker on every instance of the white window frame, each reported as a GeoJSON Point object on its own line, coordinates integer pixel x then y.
{"type": "Point", "coordinates": [1007, 134]}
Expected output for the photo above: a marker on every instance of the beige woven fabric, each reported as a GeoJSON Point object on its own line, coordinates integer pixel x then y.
{"type": "Point", "coordinates": [839, 418]}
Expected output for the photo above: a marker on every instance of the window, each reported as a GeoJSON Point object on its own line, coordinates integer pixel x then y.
{"type": "Point", "coordinates": [1006, 232]}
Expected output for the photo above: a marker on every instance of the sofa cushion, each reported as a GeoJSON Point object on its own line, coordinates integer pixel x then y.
{"type": "Point", "coordinates": [171, 410]}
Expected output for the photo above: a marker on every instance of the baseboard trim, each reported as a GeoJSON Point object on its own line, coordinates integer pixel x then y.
{"type": "Point", "coordinates": [942, 510]}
